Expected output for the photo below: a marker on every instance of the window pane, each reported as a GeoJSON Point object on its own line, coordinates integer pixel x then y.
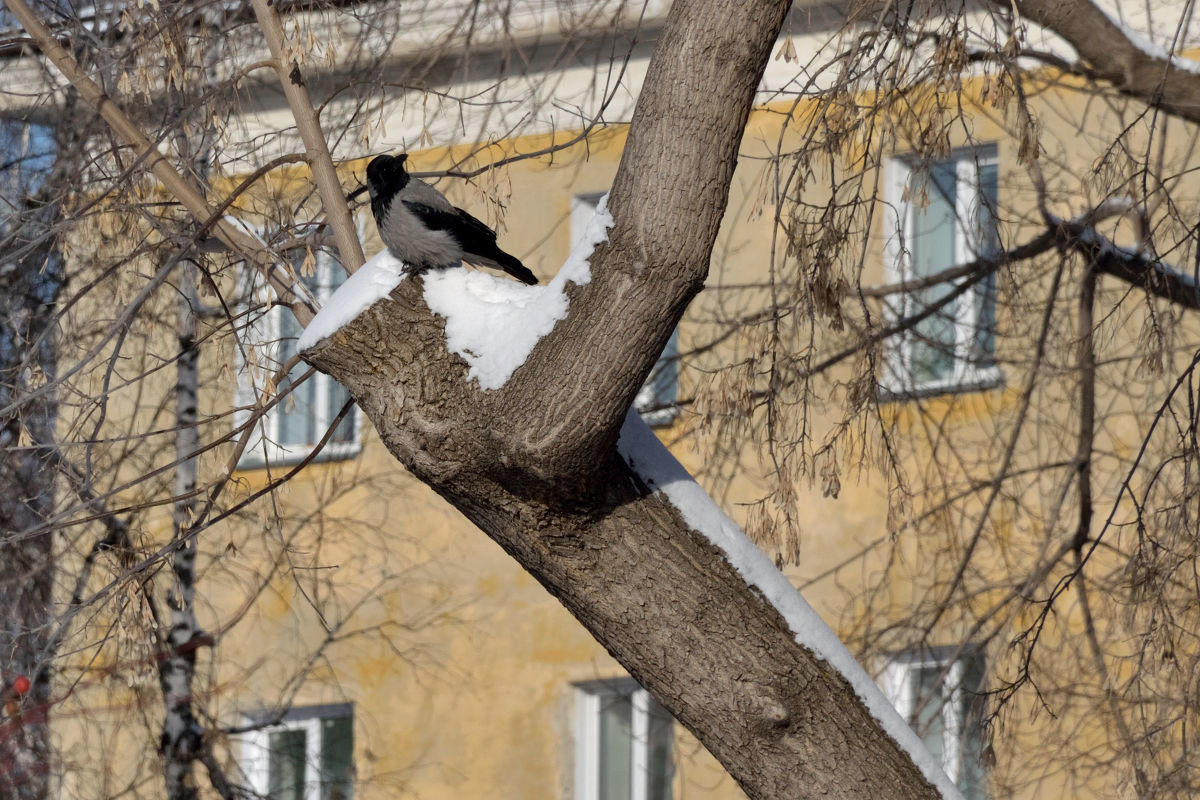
{"type": "Point", "coordinates": [300, 422]}
{"type": "Point", "coordinates": [338, 395]}
{"type": "Point", "coordinates": [26, 156]}
{"type": "Point", "coordinates": [927, 718]}
{"type": "Point", "coordinates": [47, 9]}
{"type": "Point", "coordinates": [297, 411]}
{"type": "Point", "coordinates": [337, 758]}
{"type": "Point", "coordinates": [986, 239]}
{"type": "Point", "coordinates": [933, 250]}
{"type": "Point", "coordinates": [661, 386]}
{"type": "Point", "coordinates": [286, 765]}
{"type": "Point", "coordinates": [971, 778]}
{"type": "Point", "coordinates": [616, 747]}
{"type": "Point", "coordinates": [932, 245]}
{"type": "Point", "coordinates": [658, 760]}
{"type": "Point", "coordinates": [947, 717]}
{"type": "Point", "coordinates": [333, 277]}
{"type": "Point", "coordinates": [984, 348]}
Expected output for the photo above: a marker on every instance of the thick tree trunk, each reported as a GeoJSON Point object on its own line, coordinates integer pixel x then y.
{"type": "Point", "coordinates": [534, 463]}
{"type": "Point", "coordinates": [658, 595]}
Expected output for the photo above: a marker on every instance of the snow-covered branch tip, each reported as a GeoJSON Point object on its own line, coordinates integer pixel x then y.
{"type": "Point", "coordinates": [1117, 54]}
{"type": "Point", "coordinates": [374, 281]}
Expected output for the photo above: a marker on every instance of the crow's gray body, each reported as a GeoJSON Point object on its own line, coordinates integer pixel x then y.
{"type": "Point", "coordinates": [409, 239]}
{"type": "Point", "coordinates": [421, 227]}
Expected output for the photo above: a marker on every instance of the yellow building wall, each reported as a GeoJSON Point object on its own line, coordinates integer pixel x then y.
{"type": "Point", "coordinates": [459, 666]}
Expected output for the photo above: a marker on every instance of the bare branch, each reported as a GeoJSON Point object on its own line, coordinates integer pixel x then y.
{"type": "Point", "coordinates": [291, 78]}
{"type": "Point", "coordinates": [1159, 79]}
{"type": "Point", "coordinates": [238, 240]}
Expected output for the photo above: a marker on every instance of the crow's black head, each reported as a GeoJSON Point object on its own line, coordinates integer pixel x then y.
{"type": "Point", "coordinates": [385, 176]}
{"type": "Point", "coordinates": [387, 173]}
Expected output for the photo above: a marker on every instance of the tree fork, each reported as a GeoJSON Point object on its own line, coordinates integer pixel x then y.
{"type": "Point", "coordinates": [534, 463]}
{"type": "Point", "coordinates": [656, 594]}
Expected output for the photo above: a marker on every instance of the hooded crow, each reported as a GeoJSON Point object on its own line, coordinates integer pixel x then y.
{"type": "Point", "coordinates": [421, 228]}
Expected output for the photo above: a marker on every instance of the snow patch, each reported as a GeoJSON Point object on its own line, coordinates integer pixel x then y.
{"type": "Point", "coordinates": [494, 323]}
{"type": "Point", "coordinates": [577, 268]}
{"type": "Point", "coordinates": [491, 322]}
{"type": "Point", "coordinates": [373, 282]}
{"type": "Point", "coordinates": [651, 460]}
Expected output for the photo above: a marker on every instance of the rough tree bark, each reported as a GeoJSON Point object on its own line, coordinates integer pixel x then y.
{"type": "Point", "coordinates": [534, 463]}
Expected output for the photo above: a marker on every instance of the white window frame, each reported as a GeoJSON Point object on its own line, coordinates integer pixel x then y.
{"type": "Point", "coordinates": [583, 207]}
{"type": "Point", "coordinates": [897, 377]}
{"type": "Point", "coordinates": [898, 688]}
{"type": "Point", "coordinates": [588, 702]}
{"type": "Point", "coordinates": [263, 333]}
{"type": "Point", "coordinates": [256, 747]}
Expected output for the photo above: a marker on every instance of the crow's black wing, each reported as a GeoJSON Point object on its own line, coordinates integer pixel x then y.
{"type": "Point", "coordinates": [471, 234]}
{"type": "Point", "coordinates": [477, 240]}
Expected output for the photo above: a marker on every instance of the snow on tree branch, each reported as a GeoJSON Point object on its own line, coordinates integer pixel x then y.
{"type": "Point", "coordinates": [1116, 54]}
{"type": "Point", "coordinates": [655, 465]}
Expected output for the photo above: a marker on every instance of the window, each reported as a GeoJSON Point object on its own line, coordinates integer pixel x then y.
{"type": "Point", "coordinates": [308, 756]}
{"type": "Point", "coordinates": [27, 153]}
{"type": "Point", "coordinates": [622, 743]}
{"type": "Point", "coordinates": [47, 10]}
{"type": "Point", "coordinates": [656, 399]}
{"type": "Point", "coordinates": [288, 432]}
{"type": "Point", "coordinates": [945, 217]}
{"type": "Point", "coordinates": [941, 701]}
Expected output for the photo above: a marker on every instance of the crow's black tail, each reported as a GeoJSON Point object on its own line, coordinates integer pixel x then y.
{"type": "Point", "coordinates": [515, 268]}
{"type": "Point", "coordinates": [495, 258]}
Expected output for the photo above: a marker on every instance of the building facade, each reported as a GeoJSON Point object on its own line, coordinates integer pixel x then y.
{"type": "Point", "coordinates": [368, 642]}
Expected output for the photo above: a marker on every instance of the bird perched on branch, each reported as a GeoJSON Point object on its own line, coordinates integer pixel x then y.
{"type": "Point", "coordinates": [421, 228]}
